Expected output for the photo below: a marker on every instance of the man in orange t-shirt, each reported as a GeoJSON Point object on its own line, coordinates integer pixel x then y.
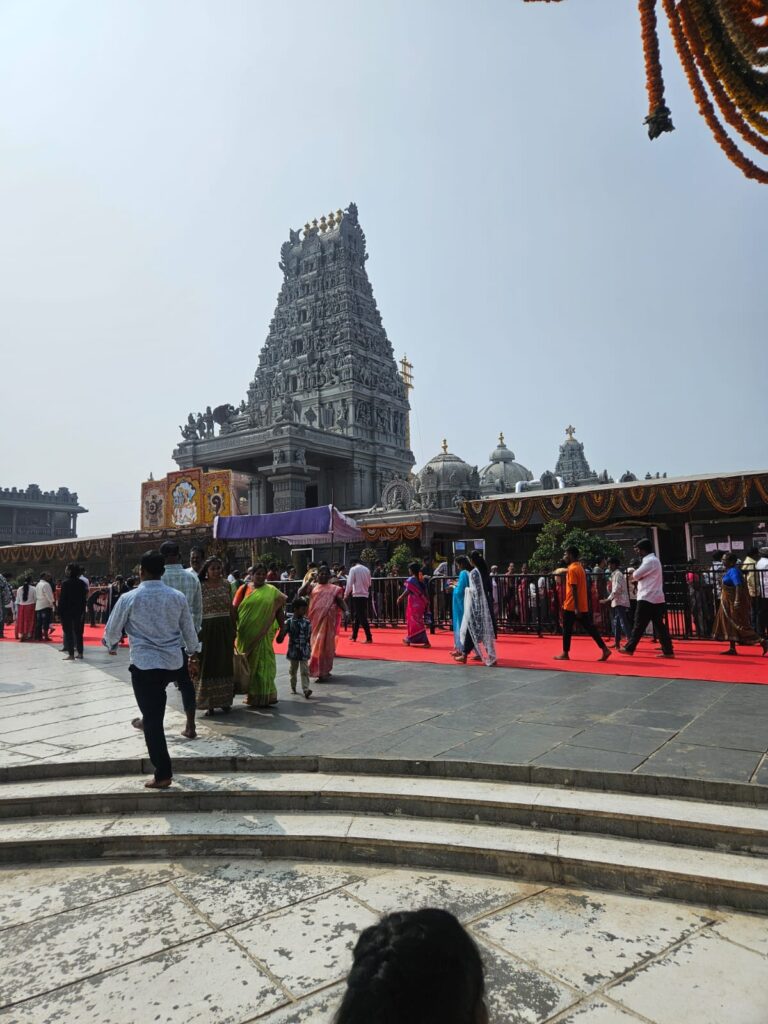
{"type": "Point", "coordinates": [576, 606]}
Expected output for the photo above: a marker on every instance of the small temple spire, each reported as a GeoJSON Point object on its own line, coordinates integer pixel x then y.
{"type": "Point", "coordinates": [570, 431]}
{"type": "Point", "coordinates": [445, 446]}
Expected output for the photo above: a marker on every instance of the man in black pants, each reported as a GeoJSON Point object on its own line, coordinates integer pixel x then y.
{"type": "Point", "coordinates": [576, 607]}
{"type": "Point", "coordinates": [651, 602]}
{"type": "Point", "coordinates": [359, 586]}
{"type": "Point", "coordinates": [158, 623]}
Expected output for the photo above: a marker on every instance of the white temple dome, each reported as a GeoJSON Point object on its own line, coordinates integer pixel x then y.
{"type": "Point", "coordinates": [502, 472]}
{"type": "Point", "coordinates": [447, 477]}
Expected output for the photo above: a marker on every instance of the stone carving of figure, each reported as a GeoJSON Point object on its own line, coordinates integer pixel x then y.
{"type": "Point", "coordinates": [310, 416]}
{"type": "Point", "coordinates": [344, 414]}
{"type": "Point", "coordinates": [200, 424]}
{"type": "Point", "coordinates": [242, 406]}
{"type": "Point", "coordinates": [300, 456]}
{"type": "Point", "coordinates": [208, 417]}
{"type": "Point", "coordinates": [278, 456]}
{"type": "Point", "coordinates": [191, 428]}
{"type": "Point", "coordinates": [381, 420]}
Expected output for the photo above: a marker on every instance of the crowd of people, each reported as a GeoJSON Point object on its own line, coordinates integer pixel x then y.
{"type": "Point", "coordinates": [223, 629]}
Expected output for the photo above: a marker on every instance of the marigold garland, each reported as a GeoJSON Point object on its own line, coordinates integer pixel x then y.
{"type": "Point", "coordinates": [659, 119]}
{"type": "Point", "coordinates": [516, 514]}
{"type": "Point", "coordinates": [723, 48]}
{"type": "Point", "coordinates": [731, 150]}
{"type": "Point", "coordinates": [729, 109]}
{"type": "Point", "coordinates": [727, 496]}
{"type": "Point", "coordinates": [598, 505]}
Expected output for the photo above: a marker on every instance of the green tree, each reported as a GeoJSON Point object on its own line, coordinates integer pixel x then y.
{"type": "Point", "coordinates": [554, 537]}
{"type": "Point", "coordinates": [400, 559]}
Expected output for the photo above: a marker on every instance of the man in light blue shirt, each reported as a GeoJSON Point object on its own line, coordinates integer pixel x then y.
{"type": "Point", "coordinates": [159, 624]}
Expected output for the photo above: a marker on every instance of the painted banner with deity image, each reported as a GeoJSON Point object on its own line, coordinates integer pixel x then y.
{"type": "Point", "coordinates": [153, 505]}
{"type": "Point", "coordinates": [184, 498]}
{"type": "Point", "coordinates": [217, 495]}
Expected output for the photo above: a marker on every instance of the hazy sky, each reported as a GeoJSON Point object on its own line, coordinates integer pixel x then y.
{"type": "Point", "coordinates": [538, 258]}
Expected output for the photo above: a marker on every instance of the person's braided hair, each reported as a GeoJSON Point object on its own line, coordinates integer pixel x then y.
{"type": "Point", "coordinates": [414, 967]}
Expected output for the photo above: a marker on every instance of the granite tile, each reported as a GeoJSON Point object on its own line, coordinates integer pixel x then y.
{"type": "Point", "coordinates": [517, 993]}
{"type": "Point", "coordinates": [209, 980]}
{"type": "Point", "coordinates": [30, 893]}
{"type": "Point", "coordinates": [745, 929]}
{"type": "Point", "coordinates": [706, 979]}
{"type": "Point", "coordinates": [567, 755]}
{"type": "Point", "coordinates": [513, 744]}
{"type": "Point", "coordinates": [78, 943]}
{"type": "Point", "coordinates": [229, 892]}
{"type": "Point", "coordinates": [628, 739]}
{"type": "Point", "coordinates": [308, 945]}
{"type": "Point", "coordinates": [588, 938]}
{"type": "Point", "coordinates": [702, 762]}
{"type": "Point", "coordinates": [465, 896]}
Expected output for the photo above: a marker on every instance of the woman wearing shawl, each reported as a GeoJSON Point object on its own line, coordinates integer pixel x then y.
{"type": "Point", "coordinates": [215, 684]}
{"type": "Point", "coordinates": [476, 632]}
{"type": "Point", "coordinates": [416, 593]}
{"type": "Point", "coordinates": [459, 589]}
{"type": "Point", "coordinates": [733, 620]}
{"type": "Point", "coordinates": [326, 605]}
{"type": "Point", "coordinates": [259, 615]}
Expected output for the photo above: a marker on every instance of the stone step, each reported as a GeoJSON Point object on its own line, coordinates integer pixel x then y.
{"type": "Point", "coordinates": [719, 791]}
{"type": "Point", "coordinates": [557, 858]}
{"type": "Point", "coordinates": [680, 822]}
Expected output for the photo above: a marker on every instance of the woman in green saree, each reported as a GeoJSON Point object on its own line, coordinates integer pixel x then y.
{"type": "Point", "coordinates": [260, 614]}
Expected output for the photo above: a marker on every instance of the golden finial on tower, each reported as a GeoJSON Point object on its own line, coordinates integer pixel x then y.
{"type": "Point", "coordinates": [406, 372]}
{"type": "Point", "coordinates": [570, 431]}
{"type": "Point", "coordinates": [501, 440]}
{"type": "Point", "coordinates": [331, 220]}
{"type": "Point", "coordinates": [339, 215]}
{"type": "Point", "coordinates": [323, 225]}
{"type": "Point", "coordinates": [314, 224]}
{"type": "Point", "coordinates": [406, 375]}
{"type": "Point", "coordinates": [307, 228]}
{"type": "Point", "coordinates": [445, 447]}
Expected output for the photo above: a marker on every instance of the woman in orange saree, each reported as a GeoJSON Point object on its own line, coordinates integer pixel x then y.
{"type": "Point", "coordinates": [326, 604]}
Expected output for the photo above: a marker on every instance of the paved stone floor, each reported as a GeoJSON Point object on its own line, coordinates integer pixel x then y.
{"type": "Point", "coordinates": [57, 711]}
{"type": "Point", "coordinates": [229, 941]}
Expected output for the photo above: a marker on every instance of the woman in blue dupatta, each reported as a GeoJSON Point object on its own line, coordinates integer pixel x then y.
{"type": "Point", "coordinates": [415, 591]}
{"type": "Point", "coordinates": [457, 603]}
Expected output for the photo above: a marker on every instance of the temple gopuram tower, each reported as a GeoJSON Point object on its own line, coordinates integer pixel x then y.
{"type": "Point", "coordinates": [326, 415]}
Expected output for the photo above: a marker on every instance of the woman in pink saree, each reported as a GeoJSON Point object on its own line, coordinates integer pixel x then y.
{"type": "Point", "coordinates": [326, 604]}
{"type": "Point", "coordinates": [417, 595]}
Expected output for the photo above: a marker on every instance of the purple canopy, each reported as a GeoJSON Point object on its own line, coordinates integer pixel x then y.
{"type": "Point", "coordinates": [305, 526]}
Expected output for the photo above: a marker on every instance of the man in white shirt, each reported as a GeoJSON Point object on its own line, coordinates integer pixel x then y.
{"type": "Point", "coordinates": [43, 607]}
{"type": "Point", "coordinates": [651, 602]}
{"type": "Point", "coordinates": [359, 586]}
{"type": "Point", "coordinates": [761, 572]}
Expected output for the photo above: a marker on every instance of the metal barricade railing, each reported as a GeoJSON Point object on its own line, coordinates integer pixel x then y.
{"type": "Point", "coordinates": [532, 602]}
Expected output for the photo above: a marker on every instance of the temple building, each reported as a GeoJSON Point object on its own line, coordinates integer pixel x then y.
{"type": "Point", "coordinates": [326, 415]}
{"type": "Point", "coordinates": [34, 515]}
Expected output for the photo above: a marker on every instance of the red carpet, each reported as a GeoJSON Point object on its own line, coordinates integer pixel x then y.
{"type": "Point", "coordinates": [696, 659]}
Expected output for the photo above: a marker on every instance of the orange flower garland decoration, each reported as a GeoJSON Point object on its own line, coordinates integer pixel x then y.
{"type": "Point", "coordinates": [731, 150]}
{"type": "Point", "coordinates": [722, 45]}
{"type": "Point", "coordinates": [659, 119]}
{"type": "Point", "coordinates": [727, 106]}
